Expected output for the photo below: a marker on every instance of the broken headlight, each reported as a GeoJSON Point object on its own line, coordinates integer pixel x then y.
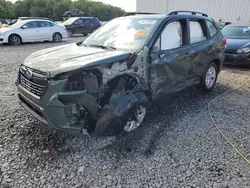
{"type": "Point", "coordinates": [88, 80]}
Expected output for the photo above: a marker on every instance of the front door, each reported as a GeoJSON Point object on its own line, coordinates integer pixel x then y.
{"type": "Point", "coordinates": [169, 59]}
{"type": "Point", "coordinates": [78, 26]}
{"type": "Point", "coordinates": [30, 32]}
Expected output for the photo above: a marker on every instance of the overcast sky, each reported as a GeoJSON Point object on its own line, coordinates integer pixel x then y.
{"type": "Point", "coordinates": [128, 5]}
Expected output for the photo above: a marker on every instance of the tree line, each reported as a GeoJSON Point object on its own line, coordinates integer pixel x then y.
{"type": "Point", "coordinates": [55, 8]}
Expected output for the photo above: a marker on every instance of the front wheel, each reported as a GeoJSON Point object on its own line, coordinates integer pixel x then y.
{"type": "Point", "coordinates": [14, 40]}
{"type": "Point", "coordinates": [210, 77]}
{"type": "Point", "coordinates": [126, 116]}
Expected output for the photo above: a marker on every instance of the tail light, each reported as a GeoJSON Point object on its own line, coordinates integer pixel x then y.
{"type": "Point", "coordinates": [224, 41]}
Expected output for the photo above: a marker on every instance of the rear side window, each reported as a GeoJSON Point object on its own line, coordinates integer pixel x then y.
{"type": "Point", "coordinates": [86, 21]}
{"type": "Point", "coordinates": [212, 29]}
{"type": "Point", "coordinates": [44, 24]}
{"type": "Point", "coordinates": [197, 32]}
{"type": "Point", "coordinates": [96, 21]}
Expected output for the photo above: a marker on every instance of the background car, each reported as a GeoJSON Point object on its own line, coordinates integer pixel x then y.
{"type": "Point", "coordinates": [12, 21]}
{"type": "Point", "coordinates": [32, 31]}
{"type": "Point", "coordinates": [4, 23]}
{"type": "Point", "coordinates": [73, 13]}
{"type": "Point", "coordinates": [238, 44]}
{"type": "Point", "coordinates": [81, 25]}
{"type": "Point", "coordinates": [223, 24]}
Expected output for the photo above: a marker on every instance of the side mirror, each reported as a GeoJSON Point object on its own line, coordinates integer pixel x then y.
{"type": "Point", "coordinates": [24, 27]}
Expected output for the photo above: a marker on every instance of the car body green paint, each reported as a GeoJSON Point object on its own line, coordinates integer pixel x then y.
{"type": "Point", "coordinates": [157, 72]}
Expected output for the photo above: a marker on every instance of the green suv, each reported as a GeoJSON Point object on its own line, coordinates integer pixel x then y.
{"type": "Point", "coordinates": [105, 84]}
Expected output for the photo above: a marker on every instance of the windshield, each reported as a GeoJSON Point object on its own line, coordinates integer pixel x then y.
{"type": "Point", "coordinates": [123, 33]}
{"type": "Point", "coordinates": [69, 21]}
{"type": "Point", "coordinates": [18, 24]}
{"type": "Point", "coordinates": [241, 32]}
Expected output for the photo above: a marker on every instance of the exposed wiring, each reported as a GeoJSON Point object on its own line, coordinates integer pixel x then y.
{"type": "Point", "coordinates": [217, 127]}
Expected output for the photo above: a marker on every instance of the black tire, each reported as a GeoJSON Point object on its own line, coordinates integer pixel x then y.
{"type": "Point", "coordinates": [205, 84]}
{"type": "Point", "coordinates": [57, 37]}
{"type": "Point", "coordinates": [85, 34]}
{"type": "Point", "coordinates": [15, 40]}
{"type": "Point", "coordinates": [69, 15]}
{"type": "Point", "coordinates": [70, 33]}
{"type": "Point", "coordinates": [109, 124]}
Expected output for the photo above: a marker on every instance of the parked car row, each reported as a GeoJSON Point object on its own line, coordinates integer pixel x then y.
{"type": "Point", "coordinates": [33, 30]}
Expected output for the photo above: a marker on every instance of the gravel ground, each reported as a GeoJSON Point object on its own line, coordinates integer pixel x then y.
{"type": "Point", "coordinates": [177, 146]}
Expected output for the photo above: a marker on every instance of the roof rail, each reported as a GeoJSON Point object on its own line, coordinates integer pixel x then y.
{"type": "Point", "coordinates": [135, 13]}
{"type": "Point", "coordinates": [184, 11]}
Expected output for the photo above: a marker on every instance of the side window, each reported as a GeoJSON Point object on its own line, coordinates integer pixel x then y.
{"type": "Point", "coordinates": [51, 24]}
{"type": "Point", "coordinates": [87, 22]}
{"type": "Point", "coordinates": [78, 22]}
{"type": "Point", "coordinates": [197, 32]}
{"type": "Point", "coordinates": [96, 21]}
{"type": "Point", "coordinates": [44, 24]}
{"type": "Point", "coordinates": [31, 25]}
{"type": "Point", "coordinates": [212, 29]}
{"type": "Point", "coordinates": [172, 36]}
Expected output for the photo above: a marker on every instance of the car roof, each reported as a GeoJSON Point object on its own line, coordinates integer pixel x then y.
{"type": "Point", "coordinates": [33, 20]}
{"type": "Point", "coordinates": [157, 16]}
{"type": "Point", "coordinates": [241, 25]}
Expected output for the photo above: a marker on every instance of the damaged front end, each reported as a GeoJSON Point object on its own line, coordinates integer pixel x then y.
{"type": "Point", "coordinates": [99, 99]}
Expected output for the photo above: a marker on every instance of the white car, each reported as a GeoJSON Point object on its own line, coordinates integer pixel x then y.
{"type": "Point", "coordinates": [32, 31]}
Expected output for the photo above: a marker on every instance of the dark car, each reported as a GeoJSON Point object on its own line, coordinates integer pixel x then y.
{"type": "Point", "coordinates": [11, 22]}
{"type": "Point", "coordinates": [238, 44]}
{"type": "Point", "coordinates": [223, 24]}
{"type": "Point", "coordinates": [73, 13]}
{"type": "Point", "coordinates": [3, 21]}
{"type": "Point", "coordinates": [105, 84]}
{"type": "Point", "coordinates": [81, 25]}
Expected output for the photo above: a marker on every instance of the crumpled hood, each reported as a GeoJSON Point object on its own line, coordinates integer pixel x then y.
{"type": "Point", "coordinates": [235, 44]}
{"type": "Point", "coordinates": [70, 57]}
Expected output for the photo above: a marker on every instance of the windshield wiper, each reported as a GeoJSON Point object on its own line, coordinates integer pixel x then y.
{"type": "Point", "coordinates": [103, 47]}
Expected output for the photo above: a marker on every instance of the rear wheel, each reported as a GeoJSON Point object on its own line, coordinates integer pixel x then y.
{"type": "Point", "coordinates": [210, 77]}
{"type": "Point", "coordinates": [14, 40]}
{"type": "Point", "coordinates": [85, 34]}
{"type": "Point", "coordinates": [57, 37]}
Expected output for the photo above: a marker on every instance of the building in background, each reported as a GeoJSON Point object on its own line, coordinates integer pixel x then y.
{"type": "Point", "coordinates": [235, 11]}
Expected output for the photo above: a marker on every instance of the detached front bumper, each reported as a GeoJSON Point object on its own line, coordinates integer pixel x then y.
{"type": "Point", "coordinates": [57, 109]}
{"type": "Point", "coordinates": [237, 59]}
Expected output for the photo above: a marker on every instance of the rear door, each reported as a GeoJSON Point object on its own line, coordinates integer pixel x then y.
{"type": "Point", "coordinates": [200, 50]}
{"type": "Point", "coordinates": [170, 65]}
{"type": "Point", "coordinates": [46, 30]}
{"type": "Point", "coordinates": [88, 25]}
{"type": "Point", "coordinates": [30, 32]}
